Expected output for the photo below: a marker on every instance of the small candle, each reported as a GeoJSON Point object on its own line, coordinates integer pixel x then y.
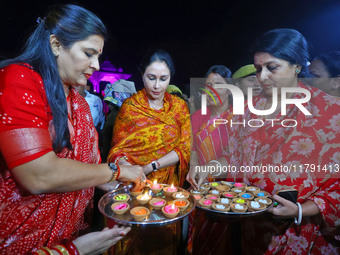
{"type": "Point", "coordinates": [220, 207]}
{"type": "Point", "coordinates": [121, 207]}
{"type": "Point", "coordinates": [207, 202]}
{"type": "Point", "coordinates": [197, 197]}
{"type": "Point", "coordinates": [214, 184]}
{"type": "Point", "coordinates": [120, 197]}
{"type": "Point", "coordinates": [171, 188]}
{"type": "Point", "coordinates": [260, 194]}
{"type": "Point", "coordinates": [212, 198]}
{"type": "Point", "coordinates": [241, 201]}
{"type": "Point", "coordinates": [237, 190]}
{"type": "Point", "coordinates": [246, 196]}
{"type": "Point", "coordinates": [145, 197]}
{"type": "Point", "coordinates": [170, 209]}
{"type": "Point", "coordinates": [141, 212]}
{"type": "Point", "coordinates": [224, 200]}
{"type": "Point", "coordinates": [216, 192]}
{"type": "Point", "coordinates": [263, 201]}
{"type": "Point", "coordinates": [155, 185]}
{"type": "Point", "coordinates": [239, 207]}
{"type": "Point", "coordinates": [228, 195]}
{"type": "Point", "coordinates": [180, 203]}
{"type": "Point", "coordinates": [237, 184]}
{"type": "Point", "coordinates": [159, 203]}
{"type": "Point", "coordinates": [180, 195]}
{"type": "Point", "coordinates": [255, 204]}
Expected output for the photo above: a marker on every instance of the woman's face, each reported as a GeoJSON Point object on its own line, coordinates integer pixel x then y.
{"type": "Point", "coordinates": [212, 80]}
{"type": "Point", "coordinates": [249, 82]}
{"type": "Point", "coordinates": [321, 80]}
{"type": "Point", "coordinates": [77, 64]}
{"type": "Point", "coordinates": [156, 79]}
{"type": "Point", "coordinates": [274, 72]}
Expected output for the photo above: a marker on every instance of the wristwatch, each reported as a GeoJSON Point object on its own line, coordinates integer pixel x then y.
{"type": "Point", "coordinates": [115, 171]}
{"type": "Point", "coordinates": [154, 166]}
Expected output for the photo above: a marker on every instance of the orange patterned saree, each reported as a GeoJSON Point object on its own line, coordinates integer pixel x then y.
{"type": "Point", "coordinates": [143, 134]}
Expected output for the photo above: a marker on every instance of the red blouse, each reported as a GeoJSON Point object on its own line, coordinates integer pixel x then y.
{"type": "Point", "coordinates": [28, 222]}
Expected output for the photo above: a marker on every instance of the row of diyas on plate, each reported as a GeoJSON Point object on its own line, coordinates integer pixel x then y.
{"type": "Point", "coordinates": [235, 197]}
{"type": "Point", "coordinates": [169, 209]}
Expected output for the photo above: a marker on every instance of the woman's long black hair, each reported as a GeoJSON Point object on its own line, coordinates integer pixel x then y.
{"type": "Point", "coordinates": [69, 23]}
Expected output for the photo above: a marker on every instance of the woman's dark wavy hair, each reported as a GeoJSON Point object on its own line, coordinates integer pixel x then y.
{"type": "Point", "coordinates": [221, 70]}
{"type": "Point", "coordinates": [70, 24]}
{"type": "Point", "coordinates": [331, 60]}
{"type": "Point", "coordinates": [157, 55]}
{"type": "Point", "coordinates": [287, 44]}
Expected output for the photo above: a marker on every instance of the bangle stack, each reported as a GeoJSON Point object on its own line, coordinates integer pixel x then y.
{"type": "Point", "coordinates": [299, 219]}
{"type": "Point", "coordinates": [65, 248]}
{"type": "Point", "coordinates": [219, 164]}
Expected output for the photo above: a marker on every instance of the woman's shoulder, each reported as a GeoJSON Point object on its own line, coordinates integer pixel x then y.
{"type": "Point", "coordinates": [19, 70]}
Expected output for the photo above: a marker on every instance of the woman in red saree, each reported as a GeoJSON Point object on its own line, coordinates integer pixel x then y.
{"type": "Point", "coordinates": [308, 153]}
{"type": "Point", "coordinates": [49, 146]}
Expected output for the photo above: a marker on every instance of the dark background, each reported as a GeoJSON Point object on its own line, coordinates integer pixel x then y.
{"type": "Point", "coordinates": [197, 34]}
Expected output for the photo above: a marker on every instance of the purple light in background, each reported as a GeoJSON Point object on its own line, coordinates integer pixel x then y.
{"type": "Point", "coordinates": [109, 73]}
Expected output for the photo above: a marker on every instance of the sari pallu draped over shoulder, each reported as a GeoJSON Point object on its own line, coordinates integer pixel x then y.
{"type": "Point", "coordinates": [27, 221]}
{"type": "Point", "coordinates": [143, 135]}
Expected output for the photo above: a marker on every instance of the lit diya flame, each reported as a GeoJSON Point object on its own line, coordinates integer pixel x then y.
{"type": "Point", "coordinates": [145, 196]}
{"type": "Point", "coordinates": [155, 185]}
{"type": "Point", "coordinates": [172, 188]}
{"type": "Point", "coordinates": [170, 209]}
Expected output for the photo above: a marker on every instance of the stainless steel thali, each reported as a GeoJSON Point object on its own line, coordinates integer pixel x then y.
{"type": "Point", "coordinates": [156, 217]}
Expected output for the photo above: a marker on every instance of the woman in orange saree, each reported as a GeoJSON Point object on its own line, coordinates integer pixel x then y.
{"type": "Point", "coordinates": [153, 130]}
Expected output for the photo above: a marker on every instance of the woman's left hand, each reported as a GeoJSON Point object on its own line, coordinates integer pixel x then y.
{"type": "Point", "coordinates": [285, 209]}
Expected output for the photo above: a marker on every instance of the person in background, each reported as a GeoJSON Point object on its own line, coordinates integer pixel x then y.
{"type": "Point", "coordinates": [115, 94]}
{"type": "Point", "coordinates": [245, 77]}
{"type": "Point", "coordinates": [96, 106]}
{"type": "Point", "coordinates": [311, 224]}
{"type": "Point", "coordinates": [326, 70]}
{"type": "Point", "coordinates": [209, 140]}
{"type": "Point", "coordinates": [49, 146]}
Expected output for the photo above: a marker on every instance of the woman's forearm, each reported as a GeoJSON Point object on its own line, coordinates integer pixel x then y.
{"type": "Point", "coordinates": [167, 160]}
{"type": "Point", "coordinates": [49, 173]}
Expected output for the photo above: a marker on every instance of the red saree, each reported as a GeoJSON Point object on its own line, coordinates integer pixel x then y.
{"type": "Point", "coordinates": [144, 134]}
{"type": "Point", "coordinates": [28, 222]}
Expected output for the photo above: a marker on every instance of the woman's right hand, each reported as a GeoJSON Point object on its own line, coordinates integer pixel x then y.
{"type": "Point", "coordinates": [98, 242]}
{"type": "Point", "coordinates": [132, 173]}
{"type": "Point", "coordinates": [196, 178]}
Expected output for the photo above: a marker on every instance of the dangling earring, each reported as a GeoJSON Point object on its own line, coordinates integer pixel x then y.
{"type": "Point", "coordinates": [297, 71]}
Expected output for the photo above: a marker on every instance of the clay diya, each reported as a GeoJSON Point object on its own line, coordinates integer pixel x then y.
{"type": "Point", "coordinates": [157, 203]}
{"type": "Point", "coordinates": [140, 213]}
{"type": "Point", "coordinates": [170, 211]}
{"type": "Point", "coordinates": [120, 207]}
